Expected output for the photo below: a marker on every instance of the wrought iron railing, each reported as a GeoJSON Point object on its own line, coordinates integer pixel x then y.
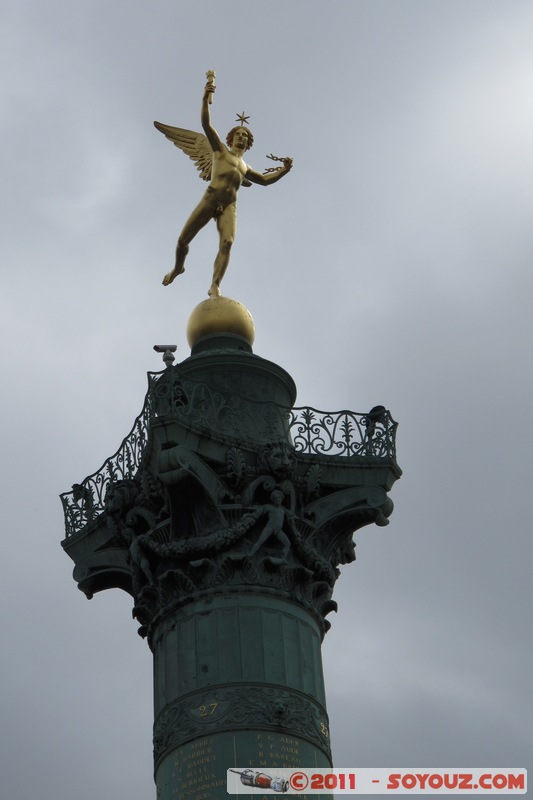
{"type": "Point", "coordinates": [87, 499]}
{"type": "Point", "coordinates": [229, 418]}
{"type": "Point", "coordinates": [343, 433]}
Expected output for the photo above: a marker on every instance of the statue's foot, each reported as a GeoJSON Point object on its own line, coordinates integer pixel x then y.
{"type": "Point", "coordinates": [214, 291]}
{"type": "Point", "coordinates": [169, 277]}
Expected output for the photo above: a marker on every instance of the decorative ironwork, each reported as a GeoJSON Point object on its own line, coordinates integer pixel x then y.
{"type": "Point", "coordinates": [344, 433]}
{"type": "Point", "coordinates": [87, 500]}
{"type": "Point", "coordinates": [232, 419]}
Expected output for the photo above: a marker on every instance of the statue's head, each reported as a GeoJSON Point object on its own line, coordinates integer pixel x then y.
{"type": "Point", "coordinates": [241, 130]}
{"type": "Point", "coordinates": [277, 497]}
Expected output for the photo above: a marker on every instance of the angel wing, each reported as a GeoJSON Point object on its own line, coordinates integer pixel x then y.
{"type": "Point", "coordinates": [195, 145]}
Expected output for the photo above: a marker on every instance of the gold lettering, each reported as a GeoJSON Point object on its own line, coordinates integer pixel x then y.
{"type": "Point", "coordinates": [208, 710]}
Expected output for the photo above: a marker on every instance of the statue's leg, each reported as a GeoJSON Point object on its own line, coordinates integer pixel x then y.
{"type": "Point", "coordinates": [266, 532]}
{"type": "Point", "coordinates": [201, 215]}
{"type": "Point", "coordinates": [226, 226]}
{"type": "Point", "coordinates": [286, 542]}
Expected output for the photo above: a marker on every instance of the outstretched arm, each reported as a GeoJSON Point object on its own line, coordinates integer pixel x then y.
{"type": "Point", "coordinates": [264, 179]}
{"type": "Point", "coordinates": [210, 132]}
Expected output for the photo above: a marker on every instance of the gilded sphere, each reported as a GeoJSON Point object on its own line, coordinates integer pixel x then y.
{"type": "Point", "coordinates": [220, 315]}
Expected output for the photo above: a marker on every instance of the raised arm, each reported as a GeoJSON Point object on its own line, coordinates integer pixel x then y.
{"type": "Point", "coordinates": [210, 132]}
{"type": "Point", "coordinates": [264, 179]}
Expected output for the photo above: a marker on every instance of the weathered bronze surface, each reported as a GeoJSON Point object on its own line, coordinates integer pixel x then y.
{"type": "Point", "coordinates": [226, 514]}
{"type": "Point", "coordinates": [224, 168]}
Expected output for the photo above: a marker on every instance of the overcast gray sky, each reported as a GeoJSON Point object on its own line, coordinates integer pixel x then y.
{"type": "Point", "coordinates": [392, 266]}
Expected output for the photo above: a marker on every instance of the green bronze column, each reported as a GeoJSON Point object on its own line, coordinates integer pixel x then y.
{"type": "Point", "coordinates": [226, 514]}
{"type": "Point", "coordinates": [238, 683]}
{"type": "Point", "coordinates": [237, 666]}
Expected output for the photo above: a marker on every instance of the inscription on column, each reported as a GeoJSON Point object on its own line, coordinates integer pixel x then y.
{"type": "Point", "coordinates": [197, 770]}
{"type": "Point", "coordinates": [275, 751]}
{"type": "Point", "coordinates": [196, 773]}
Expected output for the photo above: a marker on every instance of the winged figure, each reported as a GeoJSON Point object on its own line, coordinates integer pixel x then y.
{"type": "Point", "coordinates": [223, 166]}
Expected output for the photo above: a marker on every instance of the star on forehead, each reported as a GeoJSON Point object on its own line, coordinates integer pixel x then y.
{"type": "Point", "coordinates": [242, 118]}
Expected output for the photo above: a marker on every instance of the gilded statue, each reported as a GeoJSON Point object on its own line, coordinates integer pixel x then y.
{"type": "Point", "coordinates": [223, 166]}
